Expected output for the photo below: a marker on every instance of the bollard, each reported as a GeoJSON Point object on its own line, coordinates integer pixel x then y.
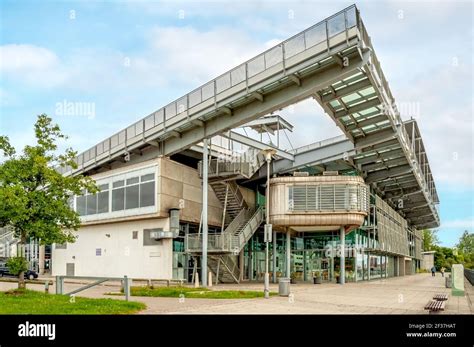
{"type": "Point", "coordinates": [126, 287]}
{"type": "Point", "coordinates": [196, 280]}
{"type": "Point", "coordinates": [46, 287]}
{"type": "Point", "coordinates": [209, 277]}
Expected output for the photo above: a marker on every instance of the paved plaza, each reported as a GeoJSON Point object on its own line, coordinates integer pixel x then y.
{"type": "Point", "coordinates": [399, 295]}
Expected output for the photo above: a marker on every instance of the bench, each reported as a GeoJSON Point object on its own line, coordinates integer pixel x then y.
{"type": "Point", "coordinates": [434, 306]}
{"type": "Point", "coordinates": [440, 297]}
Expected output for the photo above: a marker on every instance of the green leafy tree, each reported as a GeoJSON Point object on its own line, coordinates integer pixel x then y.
{"type": "Point", "coordinates": [34, 196]}
{"type": "Point", "coordinates": [466, 243]}
{"type": "Point", "coordinates": [430, 239]}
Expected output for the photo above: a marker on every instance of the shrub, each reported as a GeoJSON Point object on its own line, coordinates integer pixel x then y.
{"type": "Point", "coordinates": [17, 265]}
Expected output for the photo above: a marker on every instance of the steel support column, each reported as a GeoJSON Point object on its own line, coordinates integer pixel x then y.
{"type": "Point", "coordinates": [342, 272]}
{"type": "Point", "coordinates": [205, 167]}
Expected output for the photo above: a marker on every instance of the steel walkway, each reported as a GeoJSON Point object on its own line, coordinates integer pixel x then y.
{"type": "Point", "coordinates": [333, 62]}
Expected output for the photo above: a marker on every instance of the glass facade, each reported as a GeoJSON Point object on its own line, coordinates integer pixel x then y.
{"type": "Point", "coordinates": [318, 253]}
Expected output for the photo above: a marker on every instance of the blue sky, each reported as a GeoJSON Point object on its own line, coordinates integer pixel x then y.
{"type": "Point", "coordinates": [129, 58]}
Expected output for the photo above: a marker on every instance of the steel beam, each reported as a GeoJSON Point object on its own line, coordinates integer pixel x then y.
{"type": "Point", "coordinates": [232, 135]}
{"type": "Point", "coordinates": [272, 102]}
{"type": "Point", "coordinates": [384, 174]}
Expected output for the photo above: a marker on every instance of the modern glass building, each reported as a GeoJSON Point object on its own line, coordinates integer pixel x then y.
{"type": "Point", "coordinates": [184, 192]}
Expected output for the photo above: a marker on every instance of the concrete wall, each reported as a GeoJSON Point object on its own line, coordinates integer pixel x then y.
{"type": "Point", "coordinates": [179, 186]}
{"type": "Point", "coordinates": [427, 260]}
{"type": "Point", "coordinates": [120, 253]}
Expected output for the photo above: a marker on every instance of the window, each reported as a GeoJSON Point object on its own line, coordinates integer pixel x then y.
{"type": "Point", "coordinates": [98, 252]}
{"type": "Point", "coordinates": [81, 205]}
{"type": "Point", "coordinates": [103, 199]}
{"type": "Point", "coordinates": [118, 199]}
{"type": "Point", "coordinates": [147, 190]}
{"type": "Point", "coordinates": [118, 194]}
{"type": "Point", "coordinates": [135, 235]}
{"type": "Point", "coordinates": [131, 196]}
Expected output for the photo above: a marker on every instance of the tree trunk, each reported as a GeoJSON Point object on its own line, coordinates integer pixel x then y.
{"type": "Point", "coordinates": [21, 275]}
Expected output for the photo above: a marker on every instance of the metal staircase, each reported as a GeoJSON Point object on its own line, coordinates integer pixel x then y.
{"type": "Point", "coordinates": [239, 220]}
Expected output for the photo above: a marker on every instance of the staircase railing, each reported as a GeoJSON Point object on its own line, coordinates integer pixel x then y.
{"type": "Point", "coordinates": [227, 241]}
{"type": "Point", "coordinates": [235, 191]}
{"type": "Point", "coordinates": [233, 226]}
{"type": "Point", "coordinates": [245, 165]}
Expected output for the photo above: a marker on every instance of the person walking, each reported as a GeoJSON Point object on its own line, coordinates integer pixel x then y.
{"type": "Point", "coordinates": [442, 271]}
{"type": "Point", "coordinates": [433, 271]}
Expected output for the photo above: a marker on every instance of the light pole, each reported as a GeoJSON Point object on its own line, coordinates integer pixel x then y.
{"type": "Point", "coordinates": [268, 227]}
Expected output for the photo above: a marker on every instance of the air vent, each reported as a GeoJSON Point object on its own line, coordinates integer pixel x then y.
{"type": "Point", "coordinates": [300, 174]}
{"type": "Point", "coordinates": [330, 173]}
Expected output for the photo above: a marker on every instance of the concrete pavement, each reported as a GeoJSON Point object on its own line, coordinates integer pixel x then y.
{"type": "Point", "coordinates": [399, 295]}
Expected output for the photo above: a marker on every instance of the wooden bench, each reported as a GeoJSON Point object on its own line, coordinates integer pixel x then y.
{"type": "Point", "coordinates": [440, 297]}
{"type": "Point", "coordinates": [434, 306]}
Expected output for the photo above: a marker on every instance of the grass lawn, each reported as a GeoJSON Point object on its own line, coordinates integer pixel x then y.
{"type": "Point", "coordinates": [204, 293]}
{"type": "Point", "coordinates": [34, 302]}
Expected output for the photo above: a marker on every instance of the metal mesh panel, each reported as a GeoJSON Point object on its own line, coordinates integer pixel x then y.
{"type": "Point", "coordinates": [170, 111]}
{"type": "Point", "coordinates": [121, 137]}
{"type": "Point", "coordinates": [223, 83]}
{"type": "Point", "coordinates": [256, 65]}
{"type": "Point", "coordinates": [195, 98]}
{"type": "Point", "coordinates": [130, 132]}
{"type": "Point", "coordinates": [273, 56]}
{"type": "Point", "coordinates": [182, 105]}
{"type": "Point", "coordinates": [159, 116]}
{"type": "Point", "coordinates": [315, 35]}
{"type": "Point", "coordinates": [149, 122]}
{"type": "Point", "coordinates": [294, 46]}
{"type": "Point", "coordinates": [114, 141]}
{"type": "Point", "coordinates": [238, 75]}
{"type": "Point", "coordinates": [100, 148]}
{"type": "Point", "coordinates": [208, 91]}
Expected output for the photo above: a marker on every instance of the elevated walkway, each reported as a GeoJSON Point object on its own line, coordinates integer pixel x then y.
{"type": "Point", "coordinates": [334, 63]}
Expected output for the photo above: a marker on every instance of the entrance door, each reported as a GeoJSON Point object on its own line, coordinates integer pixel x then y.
{"type": "Point", "coordinates": [69, 269]}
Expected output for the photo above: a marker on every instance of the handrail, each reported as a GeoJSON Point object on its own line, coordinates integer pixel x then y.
{"type": "Point", "coordinates": [237, 221]}
{"type": "Point", "coordinates": [242, 75]}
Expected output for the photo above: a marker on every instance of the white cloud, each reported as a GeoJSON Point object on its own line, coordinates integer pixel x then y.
{"type": "Point", "coordinates": [31, 64]}
{"type": "Point", "coordinates": [196, 56]}
{"type": "Point", "coordinates": [467, 224]}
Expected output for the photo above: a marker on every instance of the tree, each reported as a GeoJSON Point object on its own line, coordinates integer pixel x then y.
{"type": "Point", "coordinates": [466, 243]}
{"type": "Point", "coordinates": [430, 239]}
{"type": "Point", "coordinates": [34, 196]}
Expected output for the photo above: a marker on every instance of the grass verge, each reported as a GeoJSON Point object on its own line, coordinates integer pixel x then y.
{"type": "Point", "coordinates": [204, 293]}
{"type": "Point", "coordinates": [34, 302]}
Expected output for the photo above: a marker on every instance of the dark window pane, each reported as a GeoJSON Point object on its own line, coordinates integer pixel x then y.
{"type": "Point", "coordinates": [103, 202]}
{"type": "Point", "coordinates": [147, 194]}
{"type": "Point", "coordinates": [103, 187]}
{"type": "Point", "coordinates": [149, 177]}
{"type": "Point", "coordinates": [118, 199]}
{"type": "Point", "coordinates": [91, 204]}
{"type": "Point", "coordinates": [118, 184]}
{"type": "Point", "coordinates": [132, 180]}
{"type": "Point", "coordinates": [81, 205]}
{"type": "Point", "coordinates": [131, 197]}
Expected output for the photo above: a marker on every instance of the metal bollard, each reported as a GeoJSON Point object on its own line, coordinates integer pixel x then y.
{"type": "Point", "coordinates": [126, 287]}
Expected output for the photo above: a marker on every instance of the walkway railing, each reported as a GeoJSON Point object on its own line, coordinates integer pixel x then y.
{"type": "Point", "coordinates": [324, 35]}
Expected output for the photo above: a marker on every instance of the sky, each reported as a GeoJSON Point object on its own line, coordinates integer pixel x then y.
{"type": "Point", "coordinates": [119, 61]}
